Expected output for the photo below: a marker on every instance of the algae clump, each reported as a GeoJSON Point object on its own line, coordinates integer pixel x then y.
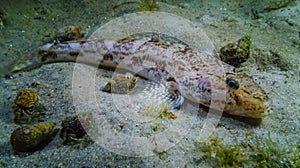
{"type": "Point", "coordinates": [253, 151]}
{"type": "Point", "coordinates": [144, 5]}
{"type": "Point", "coordinates": [223, 156]}
{"type": "Point", "coordinates": [278, 4]}
{"type": "Point", "coordinates": [148, 5]}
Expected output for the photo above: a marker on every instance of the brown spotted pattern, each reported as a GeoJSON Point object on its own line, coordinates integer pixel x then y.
{"type": "Point", "coordinates": [198, 75]}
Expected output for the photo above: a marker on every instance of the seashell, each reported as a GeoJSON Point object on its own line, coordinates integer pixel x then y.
{"type": "Point", "coordinates": [121, 84]}
{"type": "Point", "coordinates": [32, 138]}
{"type": "Point", "coordinates": [72, 130]}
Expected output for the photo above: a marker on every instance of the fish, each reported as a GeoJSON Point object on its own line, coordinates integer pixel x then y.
{"type": "Point", "coordinates": [198, 75]}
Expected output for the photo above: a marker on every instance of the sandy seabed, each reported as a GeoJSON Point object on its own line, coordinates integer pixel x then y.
{"type": "Point", "coordinates": [27, 25]}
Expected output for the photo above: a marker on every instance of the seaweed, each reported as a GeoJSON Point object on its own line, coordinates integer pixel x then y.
{"type": "Point", "coordinates": [264, 152]}
{"type": "Point", "coordinates": [144, 5]}
{"type": "Point", "coordinates": [257, 152]}
{"type": "Point", "coordinates": [165, 113]}
{"type": "Point", "coordinates": [159, 111]}
{"type": "Point", "coordinates": [278, 4]}
{"type": "Point", "coordinates": [220, 155]}
{"type": "Point", "coordinates": [148, 5]}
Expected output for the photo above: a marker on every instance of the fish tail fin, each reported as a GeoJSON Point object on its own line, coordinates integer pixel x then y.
{"type": "Point", "coordinates": [26, 63]}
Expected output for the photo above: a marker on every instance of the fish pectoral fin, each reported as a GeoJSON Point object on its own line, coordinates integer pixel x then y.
{"type": "Point", "coordinates": [174, 96]}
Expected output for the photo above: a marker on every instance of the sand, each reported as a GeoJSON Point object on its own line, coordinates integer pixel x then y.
{"type": "Point", "coordinates": [274, 63]}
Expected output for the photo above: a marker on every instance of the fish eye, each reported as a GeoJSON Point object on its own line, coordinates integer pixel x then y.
{"type": "Point", "coordinates": [232, 83]}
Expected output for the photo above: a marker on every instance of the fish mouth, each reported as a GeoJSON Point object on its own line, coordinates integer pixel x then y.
{"type": "Point", "coordinates": [264, 110]}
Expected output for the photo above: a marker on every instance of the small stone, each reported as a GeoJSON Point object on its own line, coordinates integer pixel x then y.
{"type": "Point", "coordinates": [236, 54]}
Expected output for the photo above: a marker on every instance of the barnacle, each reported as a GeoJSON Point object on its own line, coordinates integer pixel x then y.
{"type": "Point", "coordinates": [26, 106]}
{"type": "Point", "coordinates": [32, 138]}
{"type": "Point", "coordinates": [72, 130]}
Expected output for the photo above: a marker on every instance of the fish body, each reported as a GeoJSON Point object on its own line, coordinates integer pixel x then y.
{"type": "Point", "coordinates": [198, 75]}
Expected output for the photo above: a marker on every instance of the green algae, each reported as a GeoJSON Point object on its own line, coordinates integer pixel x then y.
{"type": "Point", "coordinates": [220, 155]}
{"type": "Point", "coordinates": [278, 4]}
{"type": "Point", "coordinates": [148, 5]}
{"type": "Point", "coordinates": [245, 44]}
{"type": "Point", "coordinates": [253, 150]}
{"type": "Point", "coordinates": [144, 5]}
{"type": "Point", "coordinates": [163, 111]}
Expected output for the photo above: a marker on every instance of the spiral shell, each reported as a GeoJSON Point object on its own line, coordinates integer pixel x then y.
{"type": "Point", "coordinates": [32, 138]}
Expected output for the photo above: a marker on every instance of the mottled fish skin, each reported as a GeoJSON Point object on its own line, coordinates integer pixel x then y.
{"type": "Point", "coordinates": [197, 74]}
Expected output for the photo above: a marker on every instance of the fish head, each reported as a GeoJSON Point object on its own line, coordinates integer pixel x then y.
{"type": "Point", "coordinates": [244, 97]}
